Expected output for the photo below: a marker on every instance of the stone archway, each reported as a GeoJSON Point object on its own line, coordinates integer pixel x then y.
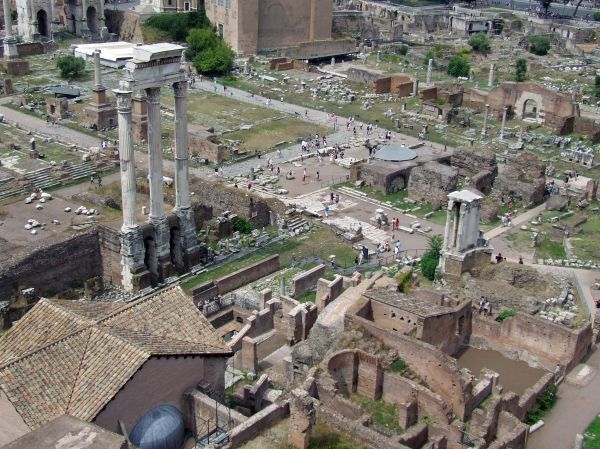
{"type": "Point", "coordinates": [530, 109]}
{"type": "Point", "coordinates": [92, 19]}
{"type": "Point", "coordinates": [42, 23]}
{"type": "Point", "coordinates": [530, 101]}
{"type": "Point", "coordinates": [73, 24]}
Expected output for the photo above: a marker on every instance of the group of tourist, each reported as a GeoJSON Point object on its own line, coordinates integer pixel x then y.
{"type": "Point", "coordinates": [485, 306]}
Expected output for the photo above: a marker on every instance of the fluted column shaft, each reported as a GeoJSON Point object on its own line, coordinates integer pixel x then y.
{"type": "Point", "coordinates": [155, 162]}
{"type": "Point", "coordinates": [182, 193]}
{"type": "Point", "coordinates": [127, 159]}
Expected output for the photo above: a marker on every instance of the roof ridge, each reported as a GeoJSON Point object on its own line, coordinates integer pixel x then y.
{"type": "Point", "coordinates": [73, 386]}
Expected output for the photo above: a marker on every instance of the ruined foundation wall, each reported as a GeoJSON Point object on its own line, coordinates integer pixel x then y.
{"type": "Point", "coordinates": [534, 340]}
{"type": "Point", "coordinates": [54, 265]}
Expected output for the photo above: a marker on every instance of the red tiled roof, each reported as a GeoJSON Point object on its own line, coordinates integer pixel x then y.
{"type": "Point", "coordinates": [73, 356]}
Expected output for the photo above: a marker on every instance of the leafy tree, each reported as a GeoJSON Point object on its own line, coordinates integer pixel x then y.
{"type": "Point", "coordinates": [177, 25]}
{"type": "Point", "coordinates": [545, 4]}
{"type": "Point", "coordinates": [597, 86]}
{"type": "Point", "coordinates": [480, 43]}
{"type": "Point", "coordinates": [539, 45]}
{"type": "Point", "coordinates": [209, 53]}
{"type": "Point", "coordinates": [431, 258]}
{"type": "Point", "coordinates": [70, 66]}
{"type": "Point", "coordinates": [521, 69]}
{"type": "Point", "coordinates": [435, 244]}
{"type": "Point", "coordinates": [459, 66]}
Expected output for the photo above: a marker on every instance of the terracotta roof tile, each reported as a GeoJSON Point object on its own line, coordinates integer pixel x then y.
{"type": "Point", "coordinates": [73, 357]}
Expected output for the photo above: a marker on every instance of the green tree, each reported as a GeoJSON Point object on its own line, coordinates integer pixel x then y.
{"type": "Point", "coordinates": [199, 40]}
{"type": "Point", "coordinates": [177, 25]}
{"type": "Point", "coordinates": [539, 45]}
{"type": "Point", "coordinates": [218, 59]}
{"type": "Point", "coordinates": [521, 69]}
{"type": "Point", "coordinates": [597, 16]}
{"type": "Point", "coordinates": [435, 244]}
{"type": "Point", "coordinates": [70, 66]}
{"type": "Point", "coordinates": [459, 66]}
{"type": "Point", "coordinates": [597, 86]}
{"type": "Point", "coordinates": [480, 43]}
{"type": "Point", "coordinates": [431, 258]}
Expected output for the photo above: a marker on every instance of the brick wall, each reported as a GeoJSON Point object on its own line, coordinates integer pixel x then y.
{"type": "Point", "coordinates": [258, 423]}
{"type": "Point", "coordinates": [54, 265]}
{"type": "Point", "coordinates": [307, 280]}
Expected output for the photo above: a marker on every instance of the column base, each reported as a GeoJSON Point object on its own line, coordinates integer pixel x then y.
{"type": "Point", "coordinates": [162, 238]}
{"type": "Point", "coordinates": [135, 273]}
{"type": "Point", "coordinates": [191, 249]}
{"type": "Point", "coordinates": [16, 66]}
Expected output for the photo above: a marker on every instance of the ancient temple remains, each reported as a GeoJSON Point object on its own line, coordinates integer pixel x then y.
{"type": "Point", "coordinates": [154, 252]}
{"type": "Point", "coordinates": [100, 113]}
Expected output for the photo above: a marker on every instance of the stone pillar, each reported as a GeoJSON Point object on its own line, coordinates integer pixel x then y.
{"type": "Point", "coordinates": [415, 87]}
{"type": "Point", "coordinates": [521, 134]}
{"type": "Point", "coordinates": [302, 419]}
{"type": "Point", "coordinates": [429, 70]}
{"type": "Point", "coordinates": [127, 159]}
{"type": "Point", "coordinates": [84, 29]}
{"type": "Point", "coordinates": [447, 243]}
{"type": "Point", "coordinates": [98, 79]}
{"type": "Point", "coordinates": [461, 225]}
{"type": "Point", "coordinates": [162, 232]}
{"type": "Point", "coordinates": [10, 43]}
{"type": "Point", "coordinates": [135, 276]}
{"type": "Point", "coordinates": [503, 123]}
{"type": "Point", "coordinates": [492, 75]}
{"type": "Point", "coordinates": [485, 119]}
{"type": "Point", "coordinates": [189, 242]}
{"type": "Point", "coordinates": [333, 63]}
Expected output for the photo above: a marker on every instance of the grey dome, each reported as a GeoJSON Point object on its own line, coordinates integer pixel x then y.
{"type": "Point", "coordinates": [395, 153]}
{"type": "Point", "coordinates": [160, 428]}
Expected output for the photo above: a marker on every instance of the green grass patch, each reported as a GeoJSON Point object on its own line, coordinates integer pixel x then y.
{"type": "Point", "coordinates": [385, 415]}
{"type": "Point", "coordinates": [591, 436]}
{"type": "Point", "coordinates": [319, 242]}
{"type": "Point", "coordinates": [325, 437]}
{"type": "Point", "coordinates": [310, 296]}
{"type": "Point", "coordinates": [550, 249]}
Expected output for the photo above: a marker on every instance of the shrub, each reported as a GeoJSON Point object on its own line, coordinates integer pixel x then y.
{"type": "Point", "coordinates": [597, 86]}
{"type": "Point", "coordinates": [403, 279]}
{"type": "Point", "coordinates": [459, 66]}
{"type": "Point", "coordinates": [70, 66]}
{"type": "Point", "coordinates": [399, 366]}
{"type": "Point", "coordinates": [521, 69]}
{"type": "Point", "coordinates": [597, 16]}
{"type": "Point", "coordinates": [543, 404]}
{"type": "Point", "coordinates": [480, 43]}
{"type": "Point", "coordinates": [504, 314]}
{"type": "Point", "coordinates": [429, 263]}
{"type": "Point", "coordinates": [402, 50]}
{"type": "Point", "coordinates": [242, 225]}
{"type": "Point", "coordinates": [435, 244]}
{"type": "Point", "coordinates": [539, 45]}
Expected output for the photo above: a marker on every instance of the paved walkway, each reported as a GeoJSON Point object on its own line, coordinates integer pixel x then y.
{"type": "Point", "coordinates": [576, 408]}
{"type": "Point", "coordinates": [517, 221]}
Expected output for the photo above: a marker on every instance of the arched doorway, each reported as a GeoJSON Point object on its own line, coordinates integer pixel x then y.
{"type": "Point", "coordinates": [73, 24]}
{"type": "Point", "coordinates": [92, 19]}
{"type": "Point", "coordinates": [530, 109]}
{"type": "Point", "coordinates": [42, 23]}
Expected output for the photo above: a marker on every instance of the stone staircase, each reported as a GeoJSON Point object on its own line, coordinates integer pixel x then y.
{"type": "Point", "coordinates": [43, 179]}
{"type": "Point", "coordinates": [296, 222]}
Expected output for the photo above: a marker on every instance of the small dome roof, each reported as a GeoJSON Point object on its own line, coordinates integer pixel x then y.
{"type": "Point", "coordinates": [160, 428]}
{"type": "Point", "coordinates": [395, 153]}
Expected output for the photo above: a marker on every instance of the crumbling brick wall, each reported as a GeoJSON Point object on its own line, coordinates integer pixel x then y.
{"type": "Point", "coordinates": [432, 183]}
{"type": "Point", "coordinates": [54, 265]}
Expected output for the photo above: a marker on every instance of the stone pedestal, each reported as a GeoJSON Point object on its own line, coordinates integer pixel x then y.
{"type": "Point", "coordinates": [191, 251]}
{"type": "Point", "coordinates": [135, 274]}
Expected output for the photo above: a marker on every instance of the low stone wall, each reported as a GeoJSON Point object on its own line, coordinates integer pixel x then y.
{"type": "Point", "coordinates": [204, 148]}
{"type": "Point", "coordinates": [528, 398]}
{"type": "Point", "coordinates": [514, 433]}
{"type": "Point", "coordinates": [328, 291]}
{"type": "Point", "coordinates": [438, 370]}
{"type": "Point", "coordinates": [305, 281]}
{"type": "Point", "coordinates": [54, 265]}
{"type": "Point", "coordinates": [241, 277]}
{"type": "Point", "coordinates": [534, 340]}
{"type": "Point", "coordinates": [33, 48]}
{"type": "Point", "coordinates": [258, 423]}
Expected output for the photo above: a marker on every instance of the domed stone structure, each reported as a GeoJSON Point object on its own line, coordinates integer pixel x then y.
{"type": "Point", "coordinates": [160, 428]}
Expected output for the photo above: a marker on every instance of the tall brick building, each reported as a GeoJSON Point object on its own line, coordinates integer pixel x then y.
{"type": "Point", "coordinates": [252, 26]}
